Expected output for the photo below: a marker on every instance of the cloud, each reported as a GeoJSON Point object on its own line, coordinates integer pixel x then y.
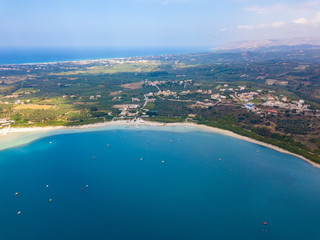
{"type": "Point", "coordinates": [245, 27]}
{"type": "Point", "coordinates": [296, 27]}
{"type": "Point", "coordinates": [261, 26]}
{"type": "Point", "coordinates": [223, 29]}
{"type": "Point", "coordinates": [277, 24]}
{"type": "Point", "coordinates": [301, 21]}
{"type": "Point", "coordinates": [314, 22]}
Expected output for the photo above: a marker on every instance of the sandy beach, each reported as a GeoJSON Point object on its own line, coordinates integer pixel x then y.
{"type": "Point", "coordinates": [20, 136]}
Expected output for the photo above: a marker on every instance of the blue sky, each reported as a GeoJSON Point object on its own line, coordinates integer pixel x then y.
{"type": "Point", "coordinates": [149, 23]}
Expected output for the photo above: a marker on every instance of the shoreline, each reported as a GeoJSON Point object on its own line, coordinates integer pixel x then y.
{"type": "Point", "coordinates": [48, 130]}
{"type": "Point", "coordinates": [200, 50]}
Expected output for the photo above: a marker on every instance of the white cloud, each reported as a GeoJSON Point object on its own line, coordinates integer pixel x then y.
{"type": "Point", "coordinates": [262, 26]}
{"type": "Point", "coordinates": [245, 27]}
{"type": "Point", "coordinates": [277, 24]}
{"type": "Point", "coordinates": [301, 21]}
{"type": "Point", "coordinates": [223, 29]}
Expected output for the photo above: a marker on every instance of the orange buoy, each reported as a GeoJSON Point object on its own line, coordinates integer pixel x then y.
{"type": "Point", "coordinates": [264, 223]}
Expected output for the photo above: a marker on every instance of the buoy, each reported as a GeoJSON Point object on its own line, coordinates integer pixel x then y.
{"type": "Point", "coordinates": [82, 189]}
{"type": "Point", "coordinates": [87, 186]}
{"type": "Point", "coordinates": [16, 193]}
{"type": "Point", "coordinates": [94, 157]}
{"type": "Point", "coordinates": [50, 200]}
{"type": "Point", "coordinates": [264, 223]}
{"type": "Point", "coordinates": [219, 159]}
{"type": "Point", "coordinates": [19, 212]}
{"type": "Point", "coordinates": [257, 151]}
{"type": "Point", "coordinates": [50, 142]}
{"type": "Point", "coordinates": [162, 162]}
{"type": "Point", "coordinates": [141, 159]}
{"type": "Point", "coordinates": [47, 186]}
{"type": "Point", "coordinates": [108, 145]}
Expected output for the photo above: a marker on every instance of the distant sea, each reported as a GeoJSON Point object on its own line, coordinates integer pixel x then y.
{"type": "Point", "coordinates": [40, 55]}
{"type": "Point", "coordinates": [151, 184]}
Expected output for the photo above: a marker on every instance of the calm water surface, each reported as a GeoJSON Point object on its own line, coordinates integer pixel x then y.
{"type": "Point", "coordinates": [131, 194]}
{"type": "Point", "coordinates": [40, 55]}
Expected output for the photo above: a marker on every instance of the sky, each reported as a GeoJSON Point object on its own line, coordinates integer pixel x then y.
{"type": "Point", "coordinates": [151, 23]}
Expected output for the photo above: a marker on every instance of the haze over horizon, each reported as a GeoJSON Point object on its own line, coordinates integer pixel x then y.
{"type": "Point", "coordinates": [149, 23]}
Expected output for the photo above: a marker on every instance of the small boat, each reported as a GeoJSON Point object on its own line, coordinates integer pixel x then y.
{"type": "Point", "coordinates": [94, 157]}
{"type": "Point", "coordinates": [50, 142]}
{"type": "Point", "coordinates": [50, 200]}
{"type": "Point", "coordinates": [265, 223]}
{"type": "Point", "coordinates": [87, 186]}
{"type": "Point", "coordinates": [82, 189]}
{"type": "Point", "coordinates": [16, 194]}
{"type": "Point", "coordinates": [19, 212]}
{"type": "Point", "coordinates": [141, 159]}
{"type": "Point", "coordinates": [162, 162]}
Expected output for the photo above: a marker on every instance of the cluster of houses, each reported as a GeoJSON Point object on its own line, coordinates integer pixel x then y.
{"type": "Point", "coordinates": [273, 101]}
{"type": "Point", "coordinates": [218, 97]}
{"type": "Point", "coordinates": [94, 97]}
{"type": "Point", "coordinates": [5, 122]}
{"type": "Point", "coordinates": [166, 93]}
{"type": "Point", "coordinates": [300, 105]}
{"type": "Point", "coordinates": [175, 82]}
{"type": "Point", "coordinates": [247, 96]}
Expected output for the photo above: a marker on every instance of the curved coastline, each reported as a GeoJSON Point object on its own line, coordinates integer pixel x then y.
{"type": "Point", "coordinates": [23, 136]}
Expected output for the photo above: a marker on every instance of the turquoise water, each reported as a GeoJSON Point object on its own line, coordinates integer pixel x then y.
{"type": "Point", "coordinates": [192, 195]}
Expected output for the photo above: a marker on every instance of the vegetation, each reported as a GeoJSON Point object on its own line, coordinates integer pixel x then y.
{"type": "Point", "coordinates": [203, 88]}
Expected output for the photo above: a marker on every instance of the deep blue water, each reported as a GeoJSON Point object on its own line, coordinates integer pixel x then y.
{"type": "Point", "coordinates": [192, 195]}
{"type": "Point", "coordinates": [40, 55]}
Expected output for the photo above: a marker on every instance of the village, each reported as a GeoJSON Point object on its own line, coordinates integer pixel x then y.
{"type": "Point", "coordinates": [260, 101]}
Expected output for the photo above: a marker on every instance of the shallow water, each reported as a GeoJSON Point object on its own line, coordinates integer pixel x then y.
{"type": "Point", "coordinates": [192, 195]}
